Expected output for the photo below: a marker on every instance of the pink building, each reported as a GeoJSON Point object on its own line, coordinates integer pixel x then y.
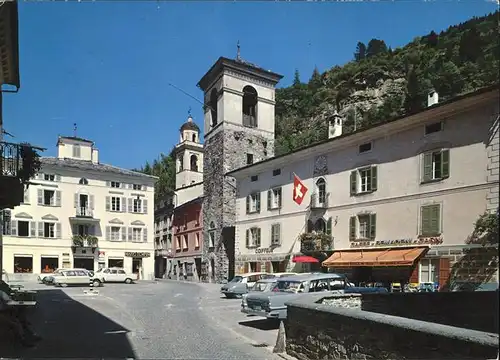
{"type": "Point", "coordinates": [188, 240]}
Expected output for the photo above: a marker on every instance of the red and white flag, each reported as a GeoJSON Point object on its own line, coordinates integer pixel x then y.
{"type": "Point", "coordinates": [299, 190]}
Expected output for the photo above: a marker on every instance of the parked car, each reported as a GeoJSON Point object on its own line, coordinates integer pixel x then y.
{"type": "Point", "coordinates": [272, 304]}
{"type": "Point", "coordinates": [279, 275]}
{"type": "Point", "coordinates": [263, 285]}
{"type": "Point", "coordinates": [72, 277]}
{"type": "Point", "coordinates": [240, 284]}
{"type": "Point", "coordinates": [112, 275]}
{"type": "Point", "coordinates": [48, 278]}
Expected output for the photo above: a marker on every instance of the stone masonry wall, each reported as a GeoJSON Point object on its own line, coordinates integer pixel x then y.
{"type": "Point", "coordinates": [315, 331]}
{"type": "Point", "coordinates": [493, 150]}
{"type": "Point", "coordinates": [473, 310]}
{"type": "Point", "coordinates": [226, 151]}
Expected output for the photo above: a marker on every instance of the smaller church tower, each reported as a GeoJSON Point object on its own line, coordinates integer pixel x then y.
{"type": "Point", "coordinates": [189, 155]}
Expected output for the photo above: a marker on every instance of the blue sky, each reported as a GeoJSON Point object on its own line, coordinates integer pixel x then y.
{"type": "Point", "coordinates": [106, 65]}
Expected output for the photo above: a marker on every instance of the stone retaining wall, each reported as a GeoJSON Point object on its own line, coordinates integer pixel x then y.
{"type": "Point", "coordinates": [473, 310]}
{"type": "Point", "coordinates": [315, 330]}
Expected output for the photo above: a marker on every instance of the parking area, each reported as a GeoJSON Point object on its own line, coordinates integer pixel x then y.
{"type": "Point", "coordinates": [147, 320]}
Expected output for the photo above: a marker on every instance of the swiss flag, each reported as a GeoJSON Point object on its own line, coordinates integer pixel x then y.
{"type": "Point", "coordinates": [299, 190]}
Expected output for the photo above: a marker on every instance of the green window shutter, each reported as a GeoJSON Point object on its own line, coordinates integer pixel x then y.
{"type": "Point", "coordinates": [354, 182]}
{"type": "Point", "coordinates": [425, 221]}
{"type": "Point", "coordinates": [269, 199]}
{"type": "Point", "coordinates": [279, 198]}
{"type": "Point", "coordinates": [329, 226]}
{"type": "Point", "coordinates": [248, 238]}
{"type": "Point", "coordinates": [248, 204]}
{"type": "Point", "coordinates": [435, 219]}
{"type": "Point", "coordinates": [427, 167]}
{"type": "Point", "coordinates": [278, 232]}
{"type": "Point", "coordinates": [373, 226]}
{"type": "Point", "coordinates": [374, 178]}
{"type": "Point", "coordinates": [257, 205]}
{"type": "Point", "coordinates": [352, 228]}
{"type": "Point", "coordinates": [445, 164]}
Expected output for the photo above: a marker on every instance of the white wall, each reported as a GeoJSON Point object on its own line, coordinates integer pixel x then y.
{"type": "Point", "coordinates": [399, 195]}
{"type": "Point", "coordinates": [97, 188]}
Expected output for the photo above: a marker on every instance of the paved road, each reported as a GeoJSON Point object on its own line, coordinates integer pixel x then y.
{"type": "Point", "coordinates": [150, 320]}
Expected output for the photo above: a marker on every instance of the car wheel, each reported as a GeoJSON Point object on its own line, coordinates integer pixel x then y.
{"type": "Point", "coordinates": [229, 296]}
{"type": "Point", "coordinates": [96, 283]}
{"type": "Point", "coordinates": [128, 281]}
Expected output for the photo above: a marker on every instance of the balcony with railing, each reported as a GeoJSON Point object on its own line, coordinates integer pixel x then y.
{"type": "Point", "coordinates": [319, 202]}
{"type": "Point", "coordinates": [84, 212]}
{"type": "Point", "coordinates": [315, 242]}
{"type": "Point", "coordinates": [18, 164]}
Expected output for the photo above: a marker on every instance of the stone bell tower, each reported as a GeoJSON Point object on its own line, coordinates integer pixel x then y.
{"type": "Point", "coordinates": [239, 100]}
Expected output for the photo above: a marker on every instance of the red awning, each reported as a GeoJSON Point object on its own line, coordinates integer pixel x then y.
{"type": "Point", "coordinates": [304, 259]}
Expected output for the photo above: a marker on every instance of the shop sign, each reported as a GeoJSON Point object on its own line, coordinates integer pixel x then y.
{"type": "Point", "coordinates": [264, 250]}
{"type": "Point", "coordinates": [399, 242]}
{"type": "Point", "coordinates": [138, 254]}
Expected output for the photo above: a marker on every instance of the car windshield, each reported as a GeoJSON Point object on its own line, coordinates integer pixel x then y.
{"type": "Point", "coordinates": [262, 286]}
{"type": "Point", "coordinates": [288, 286]}
{"type": "Point", "coordinates": [236, 279]}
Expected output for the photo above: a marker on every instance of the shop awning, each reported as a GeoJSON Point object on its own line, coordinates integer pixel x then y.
{"type": "Point", "coordinates": [376, 257]}
{"type": "Point", "coordinates": [304, 259]}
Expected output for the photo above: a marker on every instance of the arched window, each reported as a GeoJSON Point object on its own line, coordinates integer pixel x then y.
{"type": "Point", "coordinates": [211, 235]}
{"type": "Point", "coordinates": [194, 137]}
{"type": "Point", "coordinates": [320, 225]}
{"type": "Point", "coordinates": [194, 163]}
{"type": "Point", "coordinates": [249, 106]}
{"type": "Point", "coordinates": [321, 190]}
{"type": "Point", "coordinates": [83, 181]}
{"type": "Point", "coordinates": [213, 106]}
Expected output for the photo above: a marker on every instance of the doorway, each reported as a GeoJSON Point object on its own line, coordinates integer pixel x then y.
{"type": "Point", "coordinates": [137, 266]}
{"type": "Point", "coordinates": [212, 269]}
{"type": "Point", "coordinates": [197, 264]}
{"type": "Point", "coordinates": [83, 263]}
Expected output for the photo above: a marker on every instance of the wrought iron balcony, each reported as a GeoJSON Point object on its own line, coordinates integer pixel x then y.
{"type": "Point", "coordinates": [85, 212]}
{"type": "Point", "coordinates": [18, 164]}
{"type": "Point", "coordinates": [319, 202]}
{"type": "Point", "coordinates": [315, 242]}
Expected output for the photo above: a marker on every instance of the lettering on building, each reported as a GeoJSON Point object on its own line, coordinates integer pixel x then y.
{"type": "Point", "coordinates": [264, 251]}
{"type": "Point", "coordinates": [398, 242]}
{"type": "Point", "coordinates": [138, 254]}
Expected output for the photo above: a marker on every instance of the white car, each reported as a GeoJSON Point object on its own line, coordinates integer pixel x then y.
{"type": "Point", "coordinates": [72, 277]}
{"type": "Point", "coordinates": [110, 275]}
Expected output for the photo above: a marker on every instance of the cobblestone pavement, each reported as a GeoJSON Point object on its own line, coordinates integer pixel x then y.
{"type": "Point", "coordinates": [148, 320]}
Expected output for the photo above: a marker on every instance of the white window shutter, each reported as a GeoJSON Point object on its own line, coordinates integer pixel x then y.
{"type": "Point", "coordinates": [145, 234]}
{"type": "Point", "coordinates": [108, 233]}
{"type": "Point", "coordinates": [91, 202]}
{"type": "Point", "coordinates": [33, 228]}
{"type": "Point", "coordinates": [58, 198]}
{"type": "Point", "coordinates": [124, 233]}
{"type": "Point", "coordinates": [108, 183]}
{"type": "Point", "coordinates": [58, 230]}
{"type": "Point", "coordinates": [77, 200]}
{"type": "Point", "coordinates": [108, 203]}
{"type": "Point", "coordinates": [13, 228]}
{"type": "Point", "coordinates": [57, 177]}
{"type": "Point", "coordinates": [130, 234]}
{"type": "Point", "coordinates": [40, 229]}
{"type": "Point", "coordinates": [130, 205]}
{"type": "Point", "coordinates": [123, 204]}
{"type": "Point", "coordinates": [40, 197]}
{"type": "Point", "coordinates": [145, 206]}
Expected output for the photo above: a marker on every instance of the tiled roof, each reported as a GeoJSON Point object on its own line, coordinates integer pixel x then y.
{"type": "Point", "coordinates": [90, 166]}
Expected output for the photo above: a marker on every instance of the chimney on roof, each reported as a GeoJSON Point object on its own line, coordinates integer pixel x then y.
{"type": "Point", "coordinates": [335, 125]}
{"type": "Point", "coordinates": [432, 98]}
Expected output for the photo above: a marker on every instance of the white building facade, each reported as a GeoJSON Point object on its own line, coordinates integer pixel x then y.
{"type": "Point", "coordinates": [424, 179]}
{"type": "Point", "coordinates": [75, 197]}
